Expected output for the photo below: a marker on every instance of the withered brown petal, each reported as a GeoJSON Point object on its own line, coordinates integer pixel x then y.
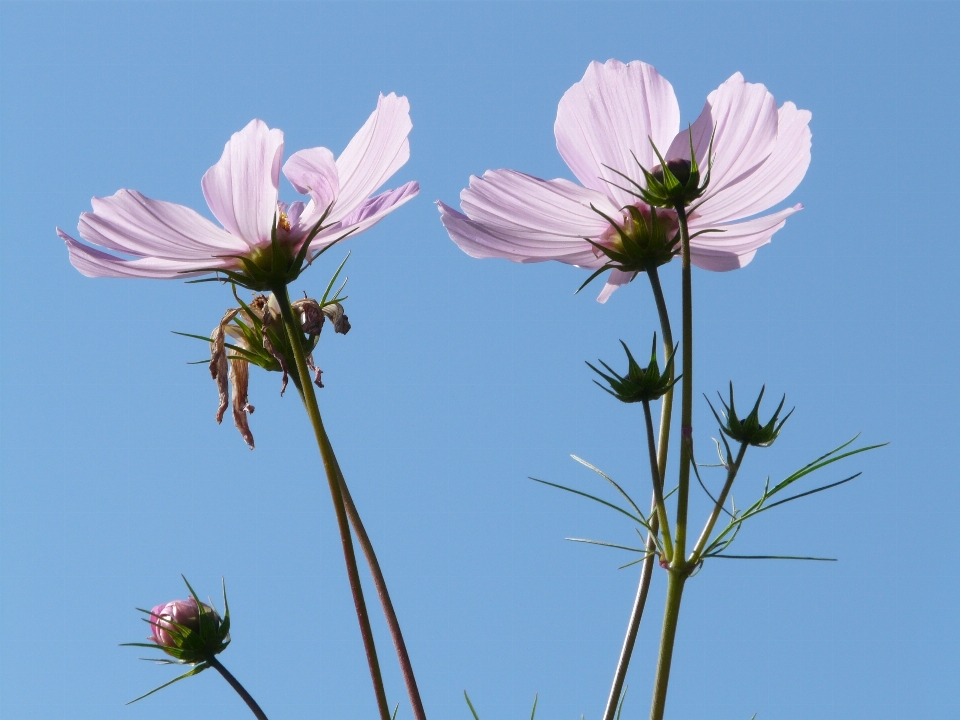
{"type": "Point", "coordinates": [240, 382]}
{"type": "Point", "coordinates": [218, 360]}
{"type": "Point", "coordinates": [339, 319]}
{"type": "Point", "coordinates": [311, 317]}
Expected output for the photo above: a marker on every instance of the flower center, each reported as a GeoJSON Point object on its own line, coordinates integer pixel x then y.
{"type": "Point", "coordinates": [283, 222]}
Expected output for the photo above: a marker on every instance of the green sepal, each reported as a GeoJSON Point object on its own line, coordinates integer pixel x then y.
{"type": "Point", "coordinates": [675, 183]}
{"type": "Point", "coordinates": [750, 430]}
{"type": "Point", "coordinates": [639, 384]}
{"type": "Point", "coordinates": [641, 243]}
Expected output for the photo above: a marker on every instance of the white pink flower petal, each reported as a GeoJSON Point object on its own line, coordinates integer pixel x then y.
{"type": "Point", "coordinates": [369, 213]}
{"type": "Point", "coordinates": [241, 189]}
{"type": "Point", "coordinates": [775, 178]}
{"type": "Point", "coordinates": [376, 152]}
{"type": "Point", "coordinates": [131, 223]}
{"type": "Point", "coordinates": [156, 239]}
{"type": "Point", "coordinates": [610, 117]}
{"type": "Point", "coordinates": [313, 172]}
{"type": "Point", "coordinates": [96, 263]}
{"type": "Point", "coordinates": [735, 246]}
{"type": "Point", "coordinates": [605, 125]}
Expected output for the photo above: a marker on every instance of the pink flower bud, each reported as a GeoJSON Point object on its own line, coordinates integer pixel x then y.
{"type": "Point", "coordinates": [181, 612]}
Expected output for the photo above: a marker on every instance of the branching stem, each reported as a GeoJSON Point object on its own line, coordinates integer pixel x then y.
{"type": "Point", "coordinates": [335, 482]}
{"type": "Point", "coordinates": [646, 572]}
{"type": "Point", "coordinates": [732, 471]}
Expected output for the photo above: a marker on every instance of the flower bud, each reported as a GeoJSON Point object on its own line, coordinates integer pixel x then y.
{"type": "Point", "coordinates": [750, 430]}
{"type": "Point", "coordinates": [189, 630]}
{"type": "Point", "coordinates": [676, 182]}
{"type": "Point", "coordinates": [186, 613]}
{"type": "Point", "coordinates": [639, 384]}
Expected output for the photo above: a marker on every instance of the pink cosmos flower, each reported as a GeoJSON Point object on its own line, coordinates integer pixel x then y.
{"type": "Point", "coordinates": [604, 129]}
{"type": "Point", "coordinates": [182, 612]}
{"type": "Point", "coordinates": [156, 239]}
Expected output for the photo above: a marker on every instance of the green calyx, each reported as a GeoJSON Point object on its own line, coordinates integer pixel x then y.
{"type": "Point", "coordinates": [275, 265]}
{"type": "Point", "coordinates": [639, 384]}
{"type": "Point", "coordinates": [676, 183]}
{"type": "Point", "coordinates": [642, 242]}
{"type": "Point", "coordinates": [750, 430]}
{"type": "Point", "coordinates": [672, 184]}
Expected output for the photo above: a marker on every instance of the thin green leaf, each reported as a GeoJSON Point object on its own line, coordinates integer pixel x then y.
{"type": "Point", "coordinates": [470, 705]}
{"type": "Point", "coordinates": [191, 335]}
{"type": "Point", "coordinates": [809, 492]}
{"type": "Point", "coordinates": [623, 696]}
{"type": "Point", "coordinates": [773, 557]}
{"type": "Point", "coordinates": [592, 497]}
{"type": "Point", "coordinates": [333, 280]}
{"type": "Point", "coordinates": [606, 544]}
{"type": "Point", "coordinates": [634, 562]}
{"type": "Point", "coordinates": [198, 669]}
{"type": "Point", "coordinates": [533, 713]}
{"type": "Point", "coordinates": [609, 480]}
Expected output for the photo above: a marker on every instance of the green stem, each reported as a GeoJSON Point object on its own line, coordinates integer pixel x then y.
{"type": "Point", "coordinates": [646, 572]}
{"type": "Point", "coordinates": [671, 614]}
{"type": "Point", "coordinates": [657, 481]}
{"type": "Point", "coordinates": [406, 667]}
{"type": "Point", "coordinates": [678, 566]}
{"type": "Point", "coordinates": [235, 684]}
{"type": "Point", "coordinates": [666, 408]}
{"type": "Point", "coordinates": [718, 506]}
{"type": "Point", "coordinates": [686, 396]}
{"type": "Point", "coordinates": [334, 479]}
{"type": "Point", "coordinates": [636, 615]}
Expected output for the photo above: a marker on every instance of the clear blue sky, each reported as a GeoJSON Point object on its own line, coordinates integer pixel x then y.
{"type": "Point", "coordinates": [461, 378]}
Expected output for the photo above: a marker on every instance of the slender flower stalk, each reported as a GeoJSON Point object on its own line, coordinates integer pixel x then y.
{"type": "Point", "coordinates": [636, 615]}
{"type": "Point", "coordinates": [686, 396]}
{"type": "Point", "coordinates": [235, 684]}
{"type": "Point", "coordinates": [334, 480]}
{"type": "Point", "coordinates": [646, 572]}
{"type": "Point", "coordinates": [406, 667]}
{"type": "Point", "coordinates": [732, 471]}
{"type": "Point", "coordinates": [678, 571]}
{"type": "Point", "coordinates": [657, 482]}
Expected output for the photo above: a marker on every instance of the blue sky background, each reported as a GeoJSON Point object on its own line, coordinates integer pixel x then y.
{"type": "Point", "coordinates": [461, 378]}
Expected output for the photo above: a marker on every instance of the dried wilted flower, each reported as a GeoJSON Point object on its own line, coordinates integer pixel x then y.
{"type": "Point", "coordinates": [256, 335]}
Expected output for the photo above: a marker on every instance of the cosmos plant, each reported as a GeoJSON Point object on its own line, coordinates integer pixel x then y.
{"type": "Point", "coordinates": [651, 194]}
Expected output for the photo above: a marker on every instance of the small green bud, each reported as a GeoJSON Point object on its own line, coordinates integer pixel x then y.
{"type": "Point", "coordinates": [639, 384]}
{"type": "Point", "coordinates": [749, 430]}
{"type": "Point", "coordinates": [677, 182]}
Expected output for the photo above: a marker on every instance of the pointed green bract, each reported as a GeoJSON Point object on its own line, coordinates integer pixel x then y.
{"type": "Point", "coordinates": [193, 642]}
{"type": "Point", "coordinates": [749, 430]}
{"type": "Point", "coordinates": [675, 183]}
{"type": "Point", "coordinates": [644, 240]}
{"type": "Point", "coordinates": [639, 384]}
